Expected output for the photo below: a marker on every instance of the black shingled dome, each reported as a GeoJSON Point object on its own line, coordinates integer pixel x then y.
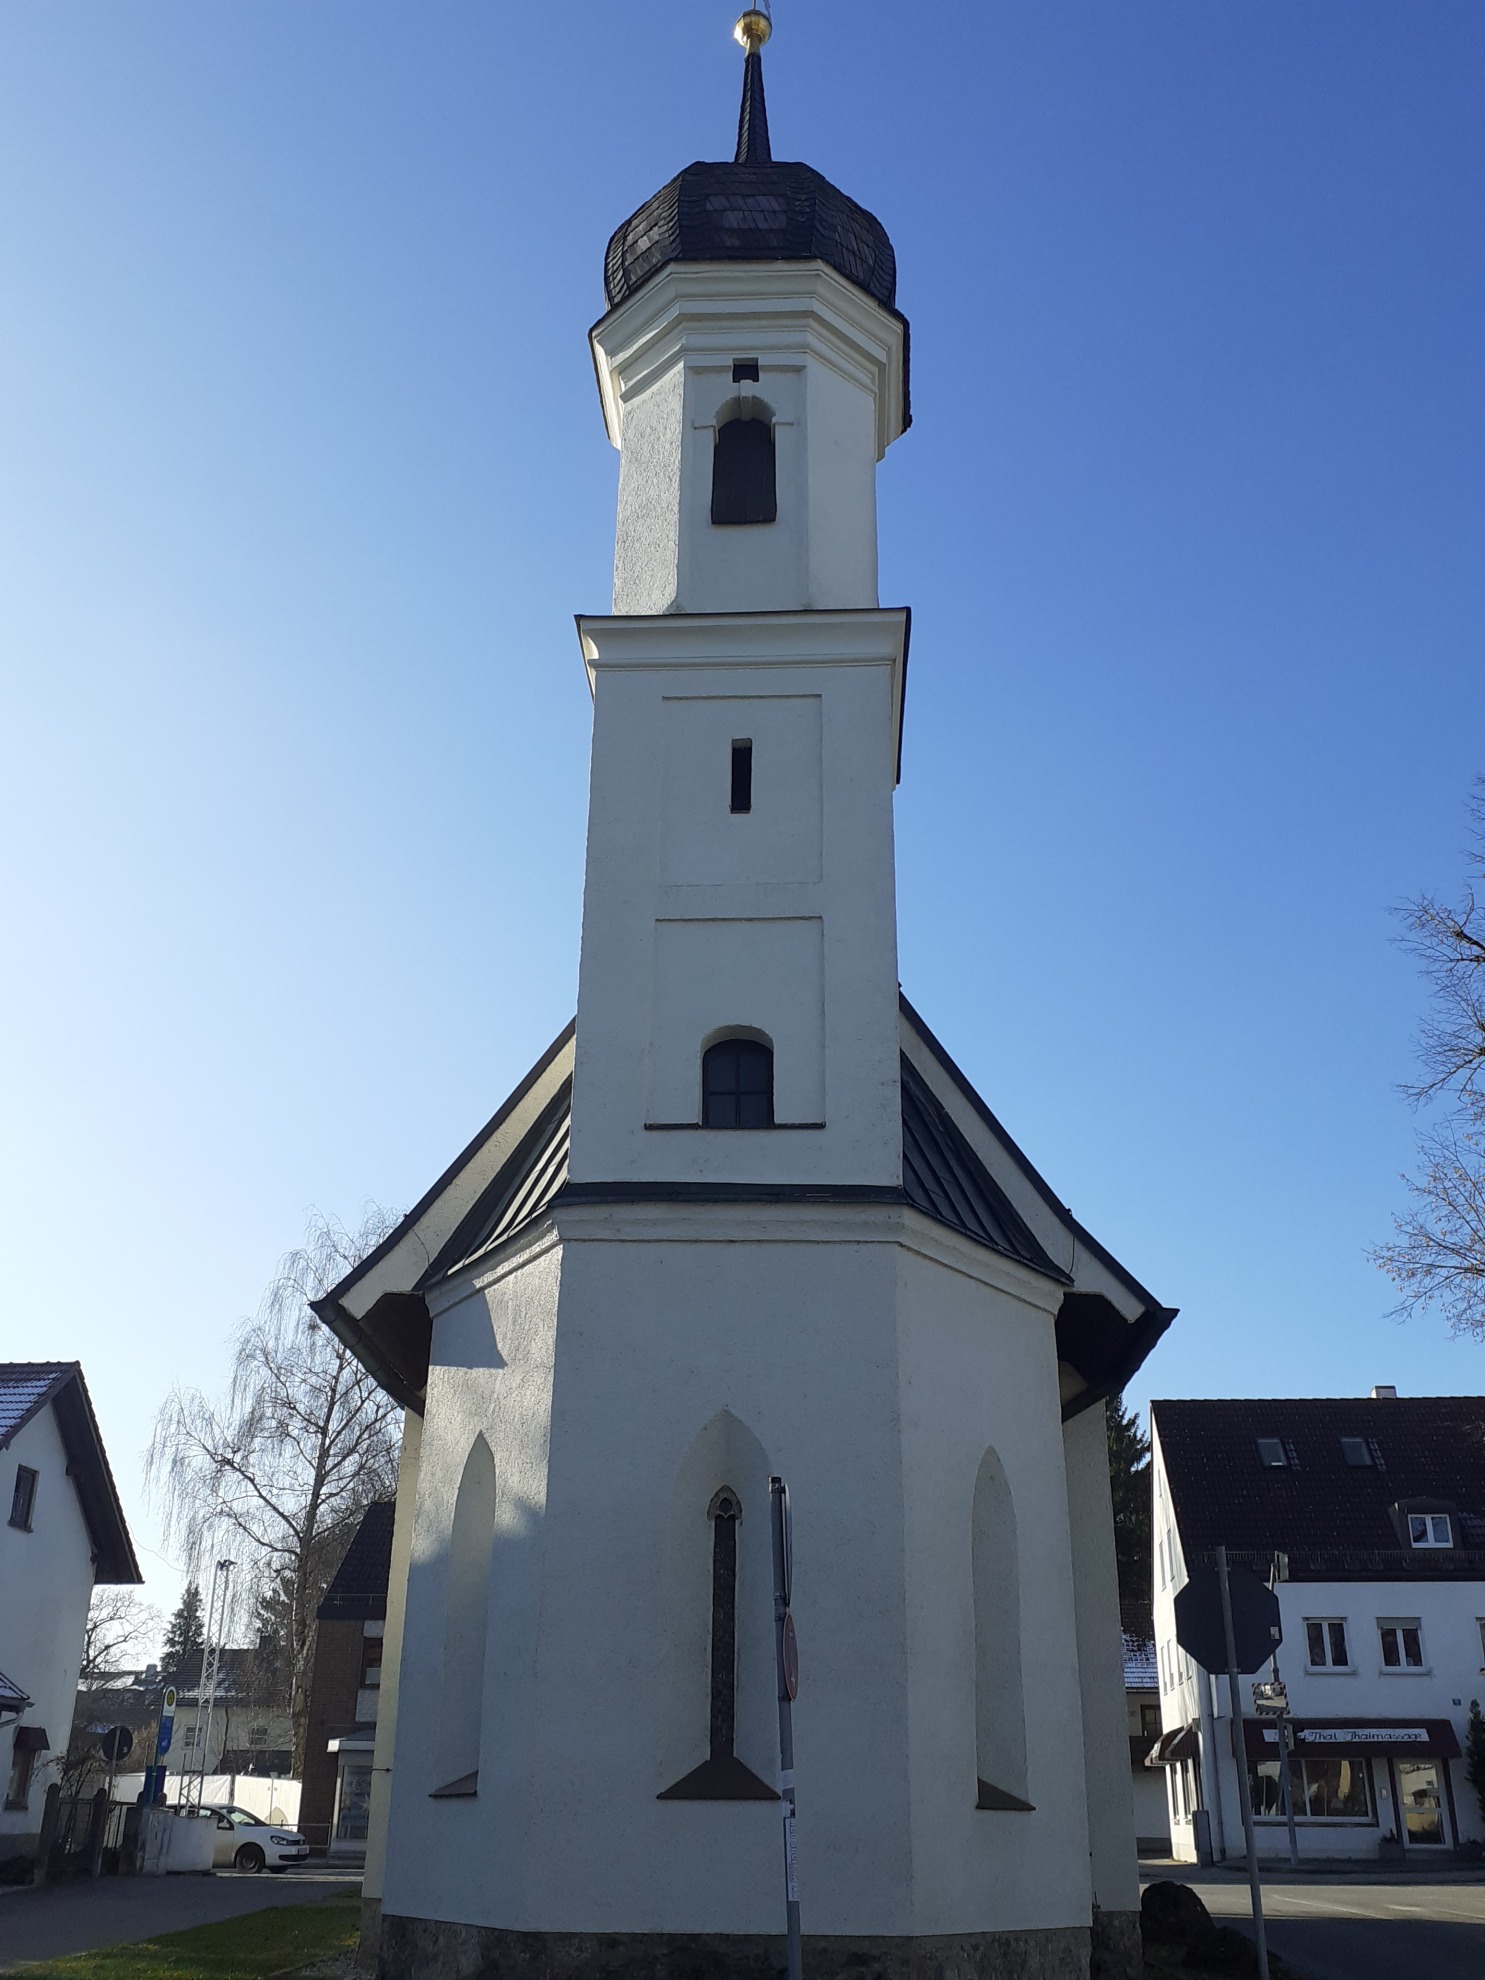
{"type": "Point", "coordinates": [752, 210]}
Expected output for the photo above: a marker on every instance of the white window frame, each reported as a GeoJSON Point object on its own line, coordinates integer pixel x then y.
{"type": "Point", "coordinates": [1326, 1624]}
{"type": "Point", "coordinates": [1401, 1668]}
{"type": "Point", "coordinates": [1430, 1523]}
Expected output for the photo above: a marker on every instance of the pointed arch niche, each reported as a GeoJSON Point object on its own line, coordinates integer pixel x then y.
{"type": "Point", "coordinates": [461, 1693]}
{"type": "Point", "coordinates": [717, 1700]}
{"type": "Point", "coordinates": [1000, 1714]}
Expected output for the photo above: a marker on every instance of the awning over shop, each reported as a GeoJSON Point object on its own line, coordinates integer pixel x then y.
{"type": "Point", "coordinates": [1173, 1747]}
{"type": "Point", "coordinates": [1429, 1738]}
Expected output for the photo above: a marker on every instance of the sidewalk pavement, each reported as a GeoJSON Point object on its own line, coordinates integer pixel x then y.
{"type": "Point", "coordinates": [1153, 1869]}
{"type": "Point", "coordinates": [111, 1911]}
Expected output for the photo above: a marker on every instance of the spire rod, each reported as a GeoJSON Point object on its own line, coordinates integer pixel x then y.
{"type": "Point", "coordinates": [754, 26]}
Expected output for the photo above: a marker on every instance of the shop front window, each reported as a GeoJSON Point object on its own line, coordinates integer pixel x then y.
{"type": "Point", "coordinates": [1329, 1787]}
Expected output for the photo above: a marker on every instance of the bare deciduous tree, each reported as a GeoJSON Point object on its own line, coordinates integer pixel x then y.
{"type": "Point", "coordinates": [278, 1473]}
{"type": "Point", "coordinates": [1437, 1257]}
{"type": "Point", "coordinates": [119, 1630]}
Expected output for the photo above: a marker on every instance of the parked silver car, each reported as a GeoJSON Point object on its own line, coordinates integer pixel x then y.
{"type": "Point", "coordinates": [246, 1842]}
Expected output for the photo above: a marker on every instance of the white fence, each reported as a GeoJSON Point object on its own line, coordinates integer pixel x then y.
{"type": "Point", "coordinates": [271, 1799]}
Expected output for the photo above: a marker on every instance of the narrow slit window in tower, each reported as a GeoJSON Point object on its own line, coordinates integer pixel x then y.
{"type": "Point", "coordinates": [744, 482]}
{"type": "Point", "coordinates": [723, 1723]}
{"type": "Point", "coordinates": [737, 1085]}
{"type": "Point", "coordinates": [742, 776]}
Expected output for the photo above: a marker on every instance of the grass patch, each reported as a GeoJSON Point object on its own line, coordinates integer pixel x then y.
{"type": "Point", "coordinates": [260, 1944]}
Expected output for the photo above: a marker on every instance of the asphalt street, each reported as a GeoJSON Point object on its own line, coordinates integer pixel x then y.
{"type": "Point", "coordinates": [1405, 1930]}
{"type": "Point", "coordinates": [80, 1917]}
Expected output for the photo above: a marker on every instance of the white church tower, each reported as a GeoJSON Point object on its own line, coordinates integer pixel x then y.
{"type": "Point", "coordinates": [748, 1218]}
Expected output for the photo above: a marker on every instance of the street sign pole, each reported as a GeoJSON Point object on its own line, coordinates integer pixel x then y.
{"type": "Point", "coordinates": [786, 1659]}
{"type": "Point", "coordinates": [1240, 1762]}
{"type": "Point", "coordinates": [1286, 1789]}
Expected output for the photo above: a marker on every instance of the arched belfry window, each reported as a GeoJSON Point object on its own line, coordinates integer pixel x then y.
{"type": "Point", "coordinates": [744, 474]}
{"type": "Point", "coordinates": [737, 1084]}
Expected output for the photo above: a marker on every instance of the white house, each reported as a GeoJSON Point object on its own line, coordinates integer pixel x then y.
{"type": "Point", "coordinates": [748, 1219]}
{"type": "Point", "coordinates": [64, 1533]}
{"type": "Point", "coordinates": [1143, 1722]}
{"type": "Point", "coordinates": [1374, 1509]}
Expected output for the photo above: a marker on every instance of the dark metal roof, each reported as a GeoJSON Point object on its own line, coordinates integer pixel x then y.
{"type": "Point", "coordinates": [756, 210]}
{"type": "Point", "coordinates": [784, 212]}
{"type": "Point", "coordinates": [12, 1698]}
{"type": "Point", "coordinates": [519, 1193]}
{"type": "Point", "coordinates": [26, 1387]}
{"type": "Point", "coordinates": [944, 1178]}
{"type": "Point", "coordinates": [1334, 1520]}
{"type": "Point", "coordinates": [358, 1592]}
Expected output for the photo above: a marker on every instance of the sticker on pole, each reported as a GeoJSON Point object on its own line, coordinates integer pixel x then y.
{"type": "Point", "coordinates": [791, 1659]}
{"type": "Point", "coordinates": [791, 1881]}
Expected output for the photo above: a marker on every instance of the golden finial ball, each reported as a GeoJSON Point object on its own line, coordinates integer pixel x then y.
{"type": "Point", "coordinates": [754, 27]}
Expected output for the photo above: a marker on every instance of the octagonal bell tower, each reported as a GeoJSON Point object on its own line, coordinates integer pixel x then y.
{"type": "Point", "coordinates": [747, 686]}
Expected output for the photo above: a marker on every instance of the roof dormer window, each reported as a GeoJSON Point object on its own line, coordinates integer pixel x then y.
{"type": "Point", "coordinates": [1357, 1452]}
{"type": "Point", "coordinates": [1430, 1530]}
{"type": "Point", "coordinates": [1271, 1453]}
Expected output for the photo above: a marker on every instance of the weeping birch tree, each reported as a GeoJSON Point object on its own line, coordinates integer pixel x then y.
{"type": "Point", "coordinates": [1437, 1257]}
{"type": "Point", "coordinates": [278, 1471]}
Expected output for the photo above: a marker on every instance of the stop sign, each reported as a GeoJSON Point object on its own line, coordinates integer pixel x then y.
{"type": "Point", "coordinates": [1255, 1619]}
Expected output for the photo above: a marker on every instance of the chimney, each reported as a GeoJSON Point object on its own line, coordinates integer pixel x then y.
{"type": "Point", "coordinates": [1385, 1392]}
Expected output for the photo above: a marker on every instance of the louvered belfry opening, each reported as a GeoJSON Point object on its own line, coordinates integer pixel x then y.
{"type": "Point", "coordinates": [744, 473]}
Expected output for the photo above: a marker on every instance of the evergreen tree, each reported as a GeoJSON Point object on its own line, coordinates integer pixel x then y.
{"type": "Point", "coordinates": [1474, 1752]}
{"type": "Point", "coordinates": [1129, 1478]}
{"type": "Point", "coordinates": [185, 1637]}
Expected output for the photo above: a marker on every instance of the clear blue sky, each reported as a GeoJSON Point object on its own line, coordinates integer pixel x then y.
{"type": "Point", "coordinates": [304, 476]}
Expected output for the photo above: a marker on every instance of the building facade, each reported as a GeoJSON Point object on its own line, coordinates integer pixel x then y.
{"type": "Point", "coordinates": [345, 1691]}
{"type": "Point", "coordinates": [1371, 1514]}
{"type": "Point", "coordinates": [64, 1534]}
{"type": "Point", "coordinates": [747, 1219]}
{"type": "Point", "coordinates": [1145, 1726]}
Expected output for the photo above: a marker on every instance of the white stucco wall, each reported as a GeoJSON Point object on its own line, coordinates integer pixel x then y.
{"type": "Point", "coordinates": [1111, 1820]}
{"type": "Point", "coordinates": [46, 1584]}
{"type": "Point", "coordinates": [393, 1634]}
{"type": "Point", "coordinates": [978, 1370]}
{"type": "Point", "coordinates": [780, 921]}
{"type": "Point", "coordinates": [829, 384]}
{"type": "Point", "coordinates": [873, 1379]}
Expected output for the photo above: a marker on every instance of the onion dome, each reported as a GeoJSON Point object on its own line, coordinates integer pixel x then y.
{"type": "Point", "coordinates": [752, 210]}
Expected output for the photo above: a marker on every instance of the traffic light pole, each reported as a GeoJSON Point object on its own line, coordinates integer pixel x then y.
{"type": "Point", "coordinates": [1240, 1762]}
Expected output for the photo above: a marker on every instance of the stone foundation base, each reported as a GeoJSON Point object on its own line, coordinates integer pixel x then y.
{"type": "Point", "coordinates": [429, 1949]}
{"type": "Point", "coordinates": [369, 1950]}
{"type": "Point", "coordinates": [1118, 1948]}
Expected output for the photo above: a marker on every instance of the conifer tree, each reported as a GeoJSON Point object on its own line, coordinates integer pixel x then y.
{"type": "Point", "coordinates": [185, 1636]}
{"type": "Point", "coordinates": [1129, 1480]}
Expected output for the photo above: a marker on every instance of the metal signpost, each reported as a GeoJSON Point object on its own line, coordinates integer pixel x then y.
{"type": "Point", "coordinates": [1271, 1701]}
{"type": "Point", "coordinates": [1229, 1620]}
{"type": "Point", "coordinates": [786, 1658]}
{"type": "Point", "coordinates": [154, 1773]}
{"type": "Point", "coordinates": [1240, 1761]}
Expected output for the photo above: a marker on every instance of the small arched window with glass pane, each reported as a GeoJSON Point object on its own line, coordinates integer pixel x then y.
{"type": "Point", "coordinates": [744, 475]}
{"type": "Point", "coordinates": [737, 1084]}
